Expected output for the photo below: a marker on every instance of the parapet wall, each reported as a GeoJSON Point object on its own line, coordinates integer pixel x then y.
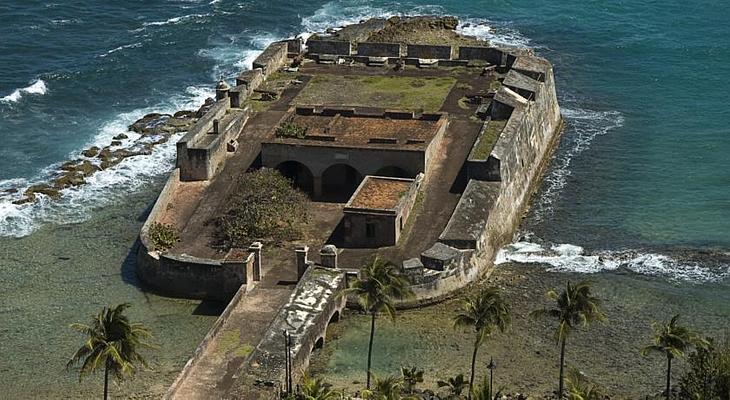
{"type": "Point", "coordinates": [272, 58]}
{"type": "Point", "coordinates": [202, 151]}
{"type": "Point", "coordinates": [491, 55]}
{"type": "Point", "coordinates": [329, 47]}
{"type": "Point", "coordinates": [467, 247]}
{"type": "Point", "coordinates": [429, 51]}
{"type": "Point", "coordinates": [374, 49]}
{"type": "Point", "coordinates": [313, 305]}
{"type": "Point", "coordinates": [185, 276]}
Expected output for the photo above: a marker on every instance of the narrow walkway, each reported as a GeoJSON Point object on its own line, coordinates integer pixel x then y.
{"type": "Point", "coordinates": [215, 372]}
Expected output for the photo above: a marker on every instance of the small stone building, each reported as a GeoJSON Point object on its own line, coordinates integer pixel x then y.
{"type": "Point", "coordinates": [378, 210]}
{"type": "Point", "coordinates": [340, 146]}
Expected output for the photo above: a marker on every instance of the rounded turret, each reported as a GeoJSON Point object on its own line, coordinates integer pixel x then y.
{"type": "Point", "coordinates": [221, 90]}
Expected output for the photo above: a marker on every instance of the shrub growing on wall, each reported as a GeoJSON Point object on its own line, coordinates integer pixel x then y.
{"type": "Point", "coordinates": [163, 236]}
{"type": "Point", "coordinates": [263, 206]}
{"type": "Point", "coordinates": [291, 130]}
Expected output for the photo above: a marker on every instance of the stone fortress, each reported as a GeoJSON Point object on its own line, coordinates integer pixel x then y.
{"type": "Point", "coordinates": [418, 145]}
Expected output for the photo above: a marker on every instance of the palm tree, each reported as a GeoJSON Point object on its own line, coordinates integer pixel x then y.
{"type": "Point", "coordinates": [484, 313]}
{"type": "Point", "coordinates": [484, 391]}
{"type": "Point", "coordinates": [575, 306]}
{"type": "Point", "coordinates": [580, 387]}
{"type": "Point", "coordinates": [455, 385]}
{"type": "Point", "coordinates": [377, 288]}
{"type": "Point", "coordinates": [672, 340]}
{"type": "Point", "coordinates": [387, 388]}
{"type": "Point", "coordinates": [111, 343]}
{"type": "Point", "coordinates": [317, 389]}
{"type": "Point", "coordinates": [411, 377]}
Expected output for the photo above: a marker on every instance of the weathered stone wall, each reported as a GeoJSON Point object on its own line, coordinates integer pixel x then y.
{"type": "Point", "coordinates": [332, 47]}
{"type": "Point", "coordinates": [272, 58]}
{"type": "Point", "coordinates": [491, 55]}
{"type": "Point", "coordinates": [482, 168]}
{"type": "Point", "coordinates": [201, 153]}
{"type": "Point", "coordinates": [217, 325]}
{"type": "Point", "coordinates": [365, 161]}
{"type": "Point", "coordinates": [387, 224]}
{"type": "Point", "coordinates": [521, 152]}
{"type": "Point", "coordinates": [313, 305]}
{"type": "Point", "coordinates": [184, 276]}
{"type": "Point", "coordinates": [374, 49]}
{"type": "Point", "coordinates": [429, 51]}
{"type": "Point", "coordinates": [251, 79]}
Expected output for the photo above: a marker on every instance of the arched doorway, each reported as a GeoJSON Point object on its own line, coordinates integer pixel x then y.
{"type": "Point", "coordinates": [299, 174]}
{"type": "Point", "coordinates": [393, 172]}
{"type": "Point", "coordinates": [339, 181]}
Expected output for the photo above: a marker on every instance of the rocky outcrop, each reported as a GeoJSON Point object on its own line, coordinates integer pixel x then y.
{"type": "Point", "coordinates": [154, 129]}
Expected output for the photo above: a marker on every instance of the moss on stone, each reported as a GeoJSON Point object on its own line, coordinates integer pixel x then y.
{"type": "Point", "coordinates": [229, 342]}
{"type": "Point", "coordinates": [386, 91]}
{"type": "Point", "coordinates": [487, 138]}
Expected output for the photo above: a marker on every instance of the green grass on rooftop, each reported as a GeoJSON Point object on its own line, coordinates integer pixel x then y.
{"type": "Point", "coordinates": [486, 140]}
{"type": "Point", "coordinates": [399, 92]}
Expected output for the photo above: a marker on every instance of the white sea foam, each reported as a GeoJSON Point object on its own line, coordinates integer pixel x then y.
{"type": "Point", "coordinates": [126, 46]}
{"type": "Point", "coordinates": [572, 258]}
{"type": "Point", "coordinates": [496, 33]}
{"type": "Point", "coordinates": [177, 20]}
{"type": "Point", "coordinates": [38, 87]}
{"type": "Point", "coordinates": [103, 187]}
{"type": "Point", "coordinates": [583, 126]}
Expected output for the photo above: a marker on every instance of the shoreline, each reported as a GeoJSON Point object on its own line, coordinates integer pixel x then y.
{"type": "Point", "coordinates": [526, 355]}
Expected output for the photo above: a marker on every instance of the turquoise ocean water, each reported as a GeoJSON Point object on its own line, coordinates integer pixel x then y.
{"type": "Point", "coordinates": [640, 183]}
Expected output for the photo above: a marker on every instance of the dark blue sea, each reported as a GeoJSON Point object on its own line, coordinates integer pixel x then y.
{"type": "Point", "coordinates": [640, 183]}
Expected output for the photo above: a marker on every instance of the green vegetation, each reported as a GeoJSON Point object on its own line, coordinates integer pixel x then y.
{"type": "Point", "coordinates": [317, 389]}
{"type": "Point", "coordinates": [411, 377]}
{"type": "Point", "coordinates": [464, 103]}
{"type": "Point", "coordinates": [377, 288]}
{"type": "Point", "coordinates": [672, 340]}
{"type": "Point", "coordinates": [289, 129]}
{"type": "Point", "coordinates": [581, 388]}
{"type": "Point", "coordinates": [163, 236]}
{"type": "Point", "coordinates": [454, 385]}
{"type": "Point", "coordinates": [484, 313]}
{"type": "Point", "coordinates": [111, 343]}
{"type": "Point", "coordinates": [263, 205]}
{"type": "Point", "coordinates": [575, 306]}
{"type": "Point", "coordinates": [411, 93]}
{"type": "Point", "coordinates": [388, 388]}
{"type": "Point", "coordinates": [708, 375]}
{"type": "Point", "coordinates": [487, 139]}
{"type": "Point", "coordinates": [230, 341]}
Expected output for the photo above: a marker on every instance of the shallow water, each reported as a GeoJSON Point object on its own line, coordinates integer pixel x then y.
{"type": "Point", "coordinates": [64, 274]}
{"type": "Point", "coordinates": [640, 175]}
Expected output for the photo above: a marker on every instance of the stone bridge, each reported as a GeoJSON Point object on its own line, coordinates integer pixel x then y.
{"type": "Point", "coordinates": [259, 372]}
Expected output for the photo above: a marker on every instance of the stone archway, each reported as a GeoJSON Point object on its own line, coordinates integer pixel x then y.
{"type": "Point", "coordinates": [339, 181]}
{"type": "Point", "coordinates": [393, 172]}
{"type": "Point", "coordinates": [299, 174]}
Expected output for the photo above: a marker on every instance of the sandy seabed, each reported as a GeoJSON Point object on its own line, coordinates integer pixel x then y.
{"type": "Point", "coordinates": [527, 355]}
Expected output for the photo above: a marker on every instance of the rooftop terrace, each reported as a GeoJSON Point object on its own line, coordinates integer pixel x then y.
{"type": "Point", "coordinates": [346, 127]}
{"type": "Point", "coordinates": [380, 193]}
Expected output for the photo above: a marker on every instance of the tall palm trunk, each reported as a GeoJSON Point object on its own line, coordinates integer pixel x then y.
{"type": "Point", "coordinates": [370, 347]}
{"type": "Point", "coordinates": [106, 380]}
{"type": "Point", "coordinates": [562, 365]}
{"type": "Point", "coordinates": [473, 364]}
{"type": "Point", "coordinates": [669, 376]}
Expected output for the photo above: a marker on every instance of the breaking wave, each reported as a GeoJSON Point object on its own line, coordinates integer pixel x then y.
{"type": "Point", "coordinates": [38, 87]}
{"type": "Point", "coordinates": [572, 258]}
{"type": "Point", "coordinates": [582, 127]}
{"type": "Point", "coordinates": [104, 186]}
{"type": "Point", "coordinates": [177, 20]}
